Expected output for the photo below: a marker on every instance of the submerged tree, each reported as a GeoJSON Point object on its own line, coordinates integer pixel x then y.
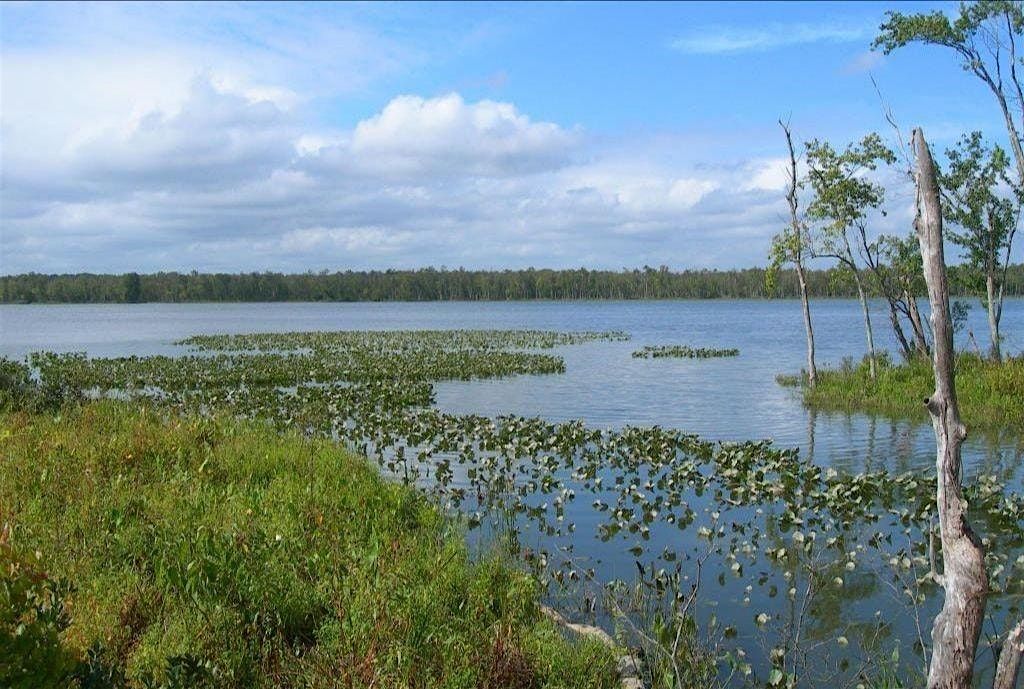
{"type": "Point", "coordinates": [843, 196]}
{"type": "Point", "coordinates": [988, 219]}
{"type": "Point", "coordinates": [792, 245]}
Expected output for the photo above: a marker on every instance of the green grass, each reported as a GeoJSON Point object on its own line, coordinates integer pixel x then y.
{"type": "Point", "coordinates": [146, 550]}
{"type": "Point", "coordinates": [991, 395]}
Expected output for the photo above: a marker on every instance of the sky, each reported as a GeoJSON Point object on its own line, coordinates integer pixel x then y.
{"type": "Point", "coordinates": [294, 137]}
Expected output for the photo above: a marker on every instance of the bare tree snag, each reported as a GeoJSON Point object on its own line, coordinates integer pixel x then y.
{"type": "Point", "coordinates": [957, 626]}
{"type": "Point", "coordinates": [799, 244]}
{"type": "Point", "coordinates": [1009, 659]}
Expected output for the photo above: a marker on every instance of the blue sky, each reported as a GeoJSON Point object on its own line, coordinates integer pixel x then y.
{"type": "Point", "coordinates": [488, 135]}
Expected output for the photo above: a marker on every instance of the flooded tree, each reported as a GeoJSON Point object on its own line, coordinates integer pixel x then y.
{"type": "Point", "coordinates": [987, 218]}
{"type": "Point", "coordinates": [843, 197]}
{"type": "Point", "coordinates": [964, 579]}
{"type": "Point", "coordinates": [792, 245]}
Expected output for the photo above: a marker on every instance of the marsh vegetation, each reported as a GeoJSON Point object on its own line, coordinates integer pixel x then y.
{"type": "Point", "coordinates": [811, 552]}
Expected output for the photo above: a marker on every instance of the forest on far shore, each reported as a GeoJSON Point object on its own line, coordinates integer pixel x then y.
{"type": "Point", "coordinates": [433, 284]}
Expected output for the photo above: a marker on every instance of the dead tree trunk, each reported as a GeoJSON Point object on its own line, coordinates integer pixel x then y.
{"type": "Point", "coordinates": [1009, 659]}
{"type": "Point", "coordinates": [897, 329]}
{"type": "Point", "coordinates": [798, 256]}
{"type": "Point", "coordinates": [964, 580]}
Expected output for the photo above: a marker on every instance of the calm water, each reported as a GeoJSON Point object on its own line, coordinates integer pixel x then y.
{"type": "Point", "coordinates": [727, 399]}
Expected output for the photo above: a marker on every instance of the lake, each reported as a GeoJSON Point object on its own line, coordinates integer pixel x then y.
{"type": "Point", "coordinates": [721, 399]}
{"type": "Point", "coordinates": [725, 399]}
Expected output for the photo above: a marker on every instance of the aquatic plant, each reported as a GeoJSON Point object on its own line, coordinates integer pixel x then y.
{"type": "Point", "coordinates": [683, 352]}
{"type": "Point", "coordinates": [755, 515]}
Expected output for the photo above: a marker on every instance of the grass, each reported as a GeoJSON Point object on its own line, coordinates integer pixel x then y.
{"type": "Point", "coordinates": [145, 550]}
{"type": "Point", "coordinates": [991, 395]}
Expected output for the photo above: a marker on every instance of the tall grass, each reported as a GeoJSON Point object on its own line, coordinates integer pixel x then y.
{"type": "Point", "coordinates": [141, 550]}
{"type": "Point", "coordinates": [991, 395]}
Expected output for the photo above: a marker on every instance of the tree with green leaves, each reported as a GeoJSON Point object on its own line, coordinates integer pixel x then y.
{"type": "Point", "coordinates": [792, 246]}
{"type": "Point", "coordinates": [895, 265]}
{"type": "Point", "coordinates": [843, 198]}
{"type": "Point", "coordinates": [981, 199]}
{"type": "Point", "coordinates": [132, 288]}
{"type": "Point", "coordinates": [904, 277]}
{"type": "Point", "coordinates": [984, 37]}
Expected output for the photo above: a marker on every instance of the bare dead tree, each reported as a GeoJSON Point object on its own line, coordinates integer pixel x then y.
{"type": "Point", "coordinates": [964, 580]}
{"type": "Point", "coordinates": [1009, 659]}
{"type": "Point", "coordinates": [797, 244]}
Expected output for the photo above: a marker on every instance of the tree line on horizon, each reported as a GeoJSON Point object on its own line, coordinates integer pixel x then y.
{"type": "Point", "coordinates": [431, 284]}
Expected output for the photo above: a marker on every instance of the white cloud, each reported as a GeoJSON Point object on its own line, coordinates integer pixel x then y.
{"type": "Point", "coordinates": [864, 62]}
{"type": "Point", "coordinates": [220, 182]}
{"type": "Point", "coordinates": [770, 174]}
{"type": "Point", "coordinates": [346, 239]}
{"type": "Point", "coordinates": [172, 155]}
{"type": "Point", "coordinates": [716, 40]}
{"type": "Point", "coordinates": [446, 135]}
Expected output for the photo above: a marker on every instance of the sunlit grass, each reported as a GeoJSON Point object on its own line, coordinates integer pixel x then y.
{"type": "Point", "coordinates": [213, 552]}
{"type": "Point", "coordinates": [991, 395]}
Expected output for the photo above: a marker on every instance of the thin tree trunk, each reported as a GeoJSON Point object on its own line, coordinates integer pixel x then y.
{"type": "Point", "coordinates": [897, 329]}
{"type": "Point", "coordinates": [867, 323]}
{"type": "Point", "coordinates": [957, 626]}
{"type": "Point", "coordinates": [920, 339]}
{"type": "Point", "coordinates": [993, 316]}
{"type": "Point", "coordinates": [812, 371]}
{"type": "Point", "coordinates": [1011, 129]}
{"type": "Point", "coordinates": [794, 218]}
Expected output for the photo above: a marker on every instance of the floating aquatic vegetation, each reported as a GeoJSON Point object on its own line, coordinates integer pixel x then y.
{"type": "Point", "coordinates": [683, 352]}
{"type": "Point", "coordinates": [765, 515]}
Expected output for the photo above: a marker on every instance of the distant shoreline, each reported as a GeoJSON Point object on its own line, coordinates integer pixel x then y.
{"type": "Point", "coordinates": [430, 284]}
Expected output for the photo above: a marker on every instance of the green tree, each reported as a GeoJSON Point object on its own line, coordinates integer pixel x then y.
{"type": "Point", "coordinates": [132, 288]}
{"type": "Point", "coordinates": [843, 197]}
{"type": "Point", "coordinates": [984, 37]}
{"type": "Point", "coordinates": [986, 217]}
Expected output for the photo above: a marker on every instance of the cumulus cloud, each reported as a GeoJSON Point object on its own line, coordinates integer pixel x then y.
{"type": "Point", "coordinates": [228, 180]}
{"type": "Point", "coordinates": [446, 135]}
{"type": "Point", "coordinates": [214, 139]}
{"type": "Point", "coordinates": [172, 157]}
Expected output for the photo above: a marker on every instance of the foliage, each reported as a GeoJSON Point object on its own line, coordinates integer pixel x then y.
{"type": "Point", "coordinates": [749, 511]}
{"type": "Point", "coordinates": [429, 284]}
{"type": "Point", "coordinates": [683, 352]}
{"type": "Point", "coordinates": [33, 613]}
{"type": "Point", "coordinates": [989, 393]}
{"type": "Point", "coordinates": [212, 552]}
{"type": "Point", "coordinates": [972, 201]}
{"type": "Point", "coordinates": [968, 34]}
{"type": "Point", "coordinates": [842, 193]}
{"type": "Point", "coordinates": [17, 389]}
